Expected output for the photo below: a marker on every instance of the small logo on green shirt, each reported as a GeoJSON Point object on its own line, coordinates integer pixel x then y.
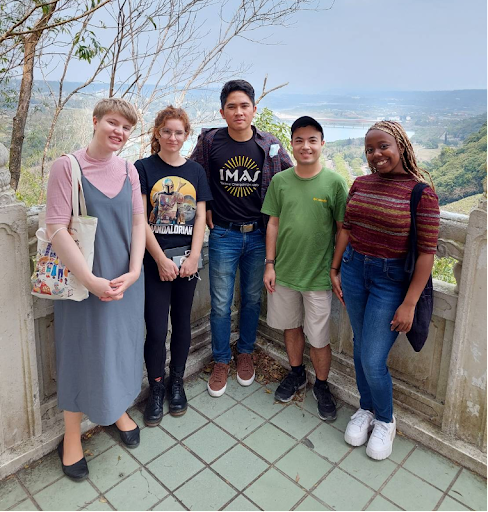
{"type": "Point", "coordinates": [320, 200]}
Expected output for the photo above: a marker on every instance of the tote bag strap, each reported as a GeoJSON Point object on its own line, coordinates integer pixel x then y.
{"type": "Point", "coordinates": [78, 201]}
{"type": "Point", "coordinates": [412, 238]}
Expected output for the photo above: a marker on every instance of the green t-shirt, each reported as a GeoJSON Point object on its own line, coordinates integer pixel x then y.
{"type": "Point", "coordinates": [308, 209]}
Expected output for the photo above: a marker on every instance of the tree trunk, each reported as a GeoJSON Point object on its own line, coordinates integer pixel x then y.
{"type": "Point", "coordinates": [18, 125]}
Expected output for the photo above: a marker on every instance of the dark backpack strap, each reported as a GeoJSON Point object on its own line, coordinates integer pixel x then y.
{"type": "Point", "coordinates": [412, 239]}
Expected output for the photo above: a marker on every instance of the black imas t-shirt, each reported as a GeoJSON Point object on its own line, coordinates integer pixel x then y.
{"type": "Point", "coordinates": [235, 178]}
{"type": "Point", "coordinates": [172, 196]}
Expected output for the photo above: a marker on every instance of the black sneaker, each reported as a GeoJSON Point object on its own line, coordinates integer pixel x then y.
{"type": "Point", "coordinates": [290, 385]}
{"type": "Point", "coordinates": [326, 403]}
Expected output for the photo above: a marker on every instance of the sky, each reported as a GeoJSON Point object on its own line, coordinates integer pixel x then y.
{"type": "Point", "coordinates": [368, 45]}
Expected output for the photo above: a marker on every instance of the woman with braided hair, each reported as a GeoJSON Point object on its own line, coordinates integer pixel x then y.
{"type": "Point", "coordinates": [373, 285]}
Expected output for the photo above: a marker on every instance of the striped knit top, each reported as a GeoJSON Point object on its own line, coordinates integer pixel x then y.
{"type": "Point", "coordinates": [378, 216]}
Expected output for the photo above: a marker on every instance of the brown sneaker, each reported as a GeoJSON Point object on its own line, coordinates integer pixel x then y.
{"type": "Point", "coordinates": [218, 380]}
{"type": "Point", "coordinates": [245, 369]}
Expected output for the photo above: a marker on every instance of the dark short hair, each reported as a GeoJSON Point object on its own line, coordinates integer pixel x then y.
{"type": "Point", "coordinates": [236, 85]}
{"type": "Point", "coordinates": [304, 121]}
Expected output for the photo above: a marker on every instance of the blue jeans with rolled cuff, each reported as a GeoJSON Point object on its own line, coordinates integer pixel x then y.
{"type": "Point", "coordinates": [373, 289]}
{"type": "Point", "coordinates": [229, 249]}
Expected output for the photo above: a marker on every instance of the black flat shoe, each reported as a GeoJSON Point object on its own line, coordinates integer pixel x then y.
{"type": "Point", "coordinates": [131, 438]}
{"type": "Point", "coordinates": [77, 471]}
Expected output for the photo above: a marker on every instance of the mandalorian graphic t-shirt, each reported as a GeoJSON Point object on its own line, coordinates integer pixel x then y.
{"type": "Point", "coordinates": [172, 194]}
{"type": "Point", "coordinates": [235, 178]}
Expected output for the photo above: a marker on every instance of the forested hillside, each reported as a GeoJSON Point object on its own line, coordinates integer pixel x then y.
{"type": "Point", "coordinates": [460, 172]}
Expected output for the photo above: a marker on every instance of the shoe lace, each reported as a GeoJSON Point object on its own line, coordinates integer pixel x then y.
{"type": "Point", "coordinates": [156, 394]}
{"type": "Point", "coordinates": [380, 429]}
{"type": "Point", "coordinates": [290, 382]}
{"type": "Point", "coordinates": [324, 395]}
{"type": "Point", "coordinates": [219, 372]}
{"type": "Point", "coordinates": [177, 384]}
{"type": "Point", "coordinates": [245, 362]}
{"type": "Point", "coordinates": [360, 417]}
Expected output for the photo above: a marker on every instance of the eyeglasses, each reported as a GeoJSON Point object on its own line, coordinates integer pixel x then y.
{"type": "Point", "coordinates": [166, 134]}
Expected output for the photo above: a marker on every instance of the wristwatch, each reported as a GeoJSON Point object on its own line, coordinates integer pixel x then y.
{"type": "Point", "coordinates": [266, 261]}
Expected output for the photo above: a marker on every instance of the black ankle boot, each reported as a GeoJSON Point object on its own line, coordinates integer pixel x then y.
{"type": "Point", "coordinates": [153, 413]}
{"type": "Point", "coordinates": [177, 399]}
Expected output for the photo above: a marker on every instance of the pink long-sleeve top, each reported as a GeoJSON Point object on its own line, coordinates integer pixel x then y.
{"type": "Point", "coordinates": [106, 175]}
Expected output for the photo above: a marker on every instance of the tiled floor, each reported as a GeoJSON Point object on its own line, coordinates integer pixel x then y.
{"type": "Point", "coordinates": [243, 451]}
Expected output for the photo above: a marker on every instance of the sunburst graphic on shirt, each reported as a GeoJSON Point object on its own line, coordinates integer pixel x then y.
{"type": "Point", "coordinates": [239, 176]}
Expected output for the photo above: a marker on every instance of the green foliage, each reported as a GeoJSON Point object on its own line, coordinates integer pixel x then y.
{"type": "Point", "coordinates": [341, 168]}
{"type": "Point", "coordinates": [443, 269]}
{"type": "Point", "coordinates": [355, 164]}
{"type": "Point", "coordinates": [463, 206]}
{"type": "Point", "coordinates": [32, 188]}
{"type": "Point", "coordinates": [459, 173]}
{"type": "Point", "coordinates": [267, 122]}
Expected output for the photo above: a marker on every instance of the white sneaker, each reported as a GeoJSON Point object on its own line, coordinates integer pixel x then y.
{"type": "Point", "coordinates": [380, 443]}
{"type": "Point", "coordinates": [359, 427]}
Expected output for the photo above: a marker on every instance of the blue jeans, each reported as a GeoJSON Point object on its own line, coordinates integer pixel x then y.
{"type": "Point", "coordinates": [373, 289]}
{"type": "Point", "coordinates": [227, 250]}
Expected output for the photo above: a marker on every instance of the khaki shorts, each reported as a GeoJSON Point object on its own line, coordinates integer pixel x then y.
{"type": "Point", "coordinates": [289, 309]}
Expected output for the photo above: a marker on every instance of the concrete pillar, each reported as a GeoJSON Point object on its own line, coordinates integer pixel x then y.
{"type": "Point", "coordinates": [20, 418]}
{"type": "Point", "coordinates": [465, 409]}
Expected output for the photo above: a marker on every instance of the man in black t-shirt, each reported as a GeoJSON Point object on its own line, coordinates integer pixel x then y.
{"type": "Point", "coordinates": [240, 161]}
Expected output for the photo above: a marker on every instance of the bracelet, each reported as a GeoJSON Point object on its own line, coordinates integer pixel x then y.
{"type": "Point", "coordinates": [334, 268]}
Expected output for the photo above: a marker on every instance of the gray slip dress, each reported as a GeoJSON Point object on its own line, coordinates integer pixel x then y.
{"type": "Point", "coordinates": [100, 345]}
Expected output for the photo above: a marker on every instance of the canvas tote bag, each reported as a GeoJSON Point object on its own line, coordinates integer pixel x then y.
{"type": "Point", "coordinates": [51, 278]}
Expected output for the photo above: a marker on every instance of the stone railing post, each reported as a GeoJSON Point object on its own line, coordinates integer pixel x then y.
{"type": "Point", "coordinates": [465, 408]}
{"type": "Point", "coordinates": [20, 418]}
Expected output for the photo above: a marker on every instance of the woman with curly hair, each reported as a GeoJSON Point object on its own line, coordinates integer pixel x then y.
{"type": "Point", "coordinates": [373, 284]}
{"type": "Point", "coordinates": [174, 191]}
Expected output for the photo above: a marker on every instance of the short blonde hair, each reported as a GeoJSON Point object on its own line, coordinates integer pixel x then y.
{"type": "Point", "coordinates": [117, 105]}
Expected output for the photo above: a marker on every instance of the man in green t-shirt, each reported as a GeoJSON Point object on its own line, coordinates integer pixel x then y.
{"type": "Point", "coordinates": [306, 205]}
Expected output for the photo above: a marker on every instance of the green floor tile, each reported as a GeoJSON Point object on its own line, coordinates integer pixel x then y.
{"type": "Point", "coordinates": [470, 489]}
{"type": "Point", "coordinates": [138, 416]}
{"type": "Point", "coordinates": [239, 421]}
{"type": "Point", "coordinates": [450, 504]}
{"type": "Point", "coordinates": [402, 446]}
{"type": "Point", "coordinates": [25, 505]}
{"type": "Point", "coordinates": [309, 402]}
{"type": "Point", "coordinates": [169, 503]}
{"type": "Point", "coordinates": [329, 442]}
{"type": "Point", "coordinates": [100, 504]}
{"type": "Point", "coordinates": [66, 495]}
{"type": "Point", "coordinates": [238, 392]}
{"type": "Point", "coordinates": [41, 473]}
{"type": "Point", "coordinates": [11, 492]}
{"type": "Point", "coordinates": [284, 495]}
{"type": "Point", "coordinates": [110, 467]}
{"type": "Point", "coordinates": [303, 466]}
{"type": "Point", "coordinates": [432, 467]}
{"type": "Point", "coordinates": [97, 444]}
{"type": "Point", "coordinates": [263, 402]}
{"type": "Point", "coordinates": [182, 426]}
{"type": "Point", "coordinates": [270, 442]}
{"type": "Point", "coordinates": [153, 442]}
{"type": "Point", "coordinates": [380, 504]}
{"type": "Point", "coordinates": [411, 493]}
{"type": "Point", "coordinates": [341, 492]}
{"type": "Point", "coordinates": [371, 472]}
{"type": "Point", "coordinates": [138, 492]}
{"type": "Point", "coordinates": [175, 467]}
{"type": "Point", "coordinates": [295, 421]}
{"type": "Point", "coordinates": [239, 466]}
{"type": "Point", "coordinates": [241, 503]}
{"type": "Point", "coordinates": [193, 388]}
{"type": "Point", "coordinates": [310, 503]}
{"type": "Point", "coordinates": [211, 406]}
{"type": "Point", "coordinates": [205, 491]}
{"type": "Point", "coordinates": [209, 442]}
{"type": "Point", "coordinates": [344, 413]}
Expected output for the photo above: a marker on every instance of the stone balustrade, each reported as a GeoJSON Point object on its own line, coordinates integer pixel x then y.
{"type": "Point", "coordinates": [440, 393]}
